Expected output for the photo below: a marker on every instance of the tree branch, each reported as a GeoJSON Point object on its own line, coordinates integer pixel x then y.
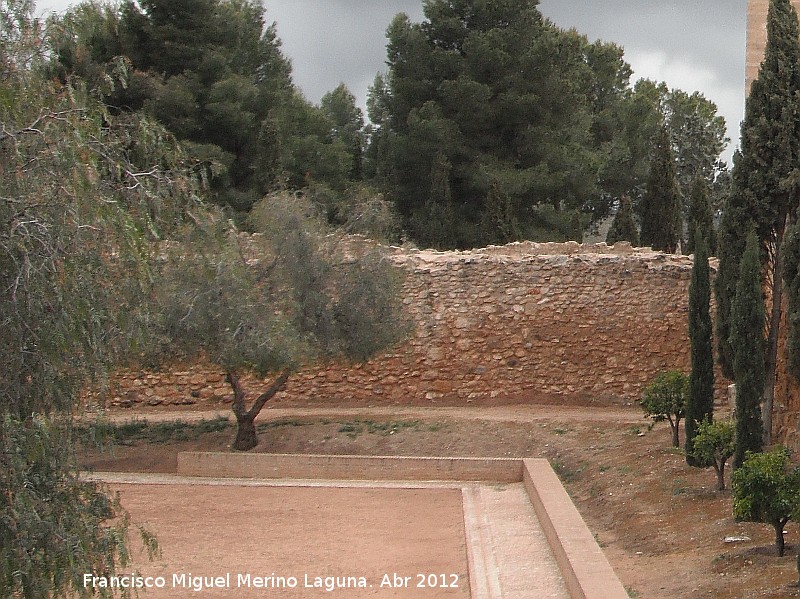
{"type": "Point", "coordinates": [276, 386]}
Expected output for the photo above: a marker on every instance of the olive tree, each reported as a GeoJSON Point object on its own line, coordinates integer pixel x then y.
{"type": "Point", "coordinates": [665, 399]}
{"type": "Point", "coordinates": [271, 302]}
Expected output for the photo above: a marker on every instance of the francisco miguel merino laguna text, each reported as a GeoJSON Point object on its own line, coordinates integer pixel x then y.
{"type": "Point", "coordinates": [223, 581]}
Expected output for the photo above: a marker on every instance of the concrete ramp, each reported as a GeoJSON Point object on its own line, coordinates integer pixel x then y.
{"type": "Point", "coordinates": [509, 555]}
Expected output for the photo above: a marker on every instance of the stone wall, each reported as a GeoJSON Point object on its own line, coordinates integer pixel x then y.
{"type": "Point", "coordinates": [522, 322]}
{"type": "Point", "coordinates": [757, 37]}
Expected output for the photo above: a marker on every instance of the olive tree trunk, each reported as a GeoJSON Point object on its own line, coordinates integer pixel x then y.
{"type": "Point", "coordinates": [246, 437]}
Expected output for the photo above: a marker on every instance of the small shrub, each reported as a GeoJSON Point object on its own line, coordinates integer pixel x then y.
{"type": "Point", "coordinates": [665, 399]}
{"type": "Point", "coordinates": [766, 489]}
{"type": "Point", "coordinates": [714, 445]}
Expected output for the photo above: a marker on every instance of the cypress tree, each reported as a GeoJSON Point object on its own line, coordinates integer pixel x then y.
{"type": "Point", "coordinates": [623, 227]}
{"type": "Point", "coordinates": [661, 210]}
{"type": "Point", "coordinates": [765, 185]}
{"type": "Point", "coordinates": [701, 220]}
{"type": "Point", "coordinates": [700, 402]}
{"type": "Point", "coordinates": [499, 223]}
{"type": "Point", "coordinates": [791, 277]}
{"type": "Point", "coordinates": [731, 242]}
{"type": "Point", "coordinates": [435, 224]}
{"type": "Point", "coordinates": [576, 226]}
{"type": "Point", "coordinates": [747, 338]}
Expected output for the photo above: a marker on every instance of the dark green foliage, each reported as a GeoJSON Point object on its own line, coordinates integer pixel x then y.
{"type": "Point", "coordinates": [499, 222]}
{"type": "Point", "coordinates": [84, 194]}
{"type": "Point", "coordinates": [736, 220]}
{"type": "Point", "coordinates": [623, 227]}
{"type": "Point", "coordinates": [747, 340]}
{"type": "Point", "coordinates": [765, 184]}
{"type": "Point", "coordinates": [509, 99]}
{"type": "Point", "coordinates": [700, 400]}
{"type": "Point", "coordinates": [766, 488]}
{"type": "Point", "coordinates": [348, 124]}
{"type": "Point", "coordinates": [661, 205]}
{"type": "Point", "coordinates": [213, 73]}
{"type": "Point", "coordinates": [791, 276]}
{"type": "Point", "coordinates": [713, 445]}
{"type": "Point", "coordinates": [701, 219]}
{"type": "Point", "coordinates": [576, 224]}
{"type": "Point", "coordinates": [435, 225]}
{"type": "Point", "coordinates": [665, 399]}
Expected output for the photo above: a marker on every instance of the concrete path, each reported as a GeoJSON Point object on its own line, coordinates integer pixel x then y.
{"type": "Point", "coordinates": [508, 553]}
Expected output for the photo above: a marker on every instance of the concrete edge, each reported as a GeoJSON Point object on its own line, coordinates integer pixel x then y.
{"type": "Point", "coordinates": [347, 467]}
{"type": "Point", "coordinates": [585, 568]}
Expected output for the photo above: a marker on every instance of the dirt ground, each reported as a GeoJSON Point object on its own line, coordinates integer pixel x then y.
{"type": "Point", "coordinates": [231, 541]}
{"type": "Point", "coordinates": [661, 523]}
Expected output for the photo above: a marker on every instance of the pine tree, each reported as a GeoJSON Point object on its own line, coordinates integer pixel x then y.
{"type": "Point", "coordinates": [700, 217]}
{"type": "Point", "coordinates": [700, 402]}
{"type": "Point", "coordinates": [661, 210]}
{"type": "Point", "coordinates": [623, 228]}
{"type": "Point", "coordinates": [747, 338]}
{"type": "Point", "coordinates": [765, 184]}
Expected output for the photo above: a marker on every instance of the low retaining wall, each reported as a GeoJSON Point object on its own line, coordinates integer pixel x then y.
{"type": "Point", "coordinates": [584, 567]}
{"type": "Point", "coordinates": [261, 465]}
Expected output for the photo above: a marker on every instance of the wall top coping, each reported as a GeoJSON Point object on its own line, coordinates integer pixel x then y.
{"type": "Point", "coordinates": [527, 251]}
{"type": "Point", "coordinates": [519, 252]}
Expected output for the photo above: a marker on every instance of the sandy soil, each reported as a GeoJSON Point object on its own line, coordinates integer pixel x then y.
{"type": "Point", "coordinates": [660, 522]}
{"type": "Point", "coordinates": [229, 541]}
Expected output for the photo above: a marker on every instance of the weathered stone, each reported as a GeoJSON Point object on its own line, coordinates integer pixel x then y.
{"type": "Point", "coordinates": [558, 319]}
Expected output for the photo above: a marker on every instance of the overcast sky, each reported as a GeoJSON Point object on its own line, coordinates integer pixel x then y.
{"type": "Point", "coordinates": [694, 45]}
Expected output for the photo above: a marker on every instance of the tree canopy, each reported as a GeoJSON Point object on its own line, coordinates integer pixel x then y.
{"type": "Point", "coordinates": [665, 399]}
{"type": "Point", "coordinates": [523, 110]}
{"type": "Point", "coordinates": [83, 194]}
{"type": "Point", "coordinates": [766, 488]}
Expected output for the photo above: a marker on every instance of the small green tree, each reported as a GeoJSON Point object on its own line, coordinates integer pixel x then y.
{"type": "Point", "coordinates": [714, 444]}
{"type": "Point", "coordinates": [665, 399]}
{"type": "Point", "coordinates": [747, 341]}
{"type": "Point", "coordinates": [623, 227]}
{"type": "Point", "coordinates": [766, 489]}
{"type": "Point", "coordinates": [700, 399]}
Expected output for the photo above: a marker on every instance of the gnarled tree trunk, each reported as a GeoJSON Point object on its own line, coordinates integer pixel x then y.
{"type": "Point", "coordinates": [246, 437]}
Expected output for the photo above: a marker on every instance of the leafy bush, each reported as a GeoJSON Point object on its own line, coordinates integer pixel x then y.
{"type": "Point", "coordinates": [665, 399]}
{"type": "Point", "coordinates": [713, 445]}
{"type": "Point", "coordinates": [766, 489]}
